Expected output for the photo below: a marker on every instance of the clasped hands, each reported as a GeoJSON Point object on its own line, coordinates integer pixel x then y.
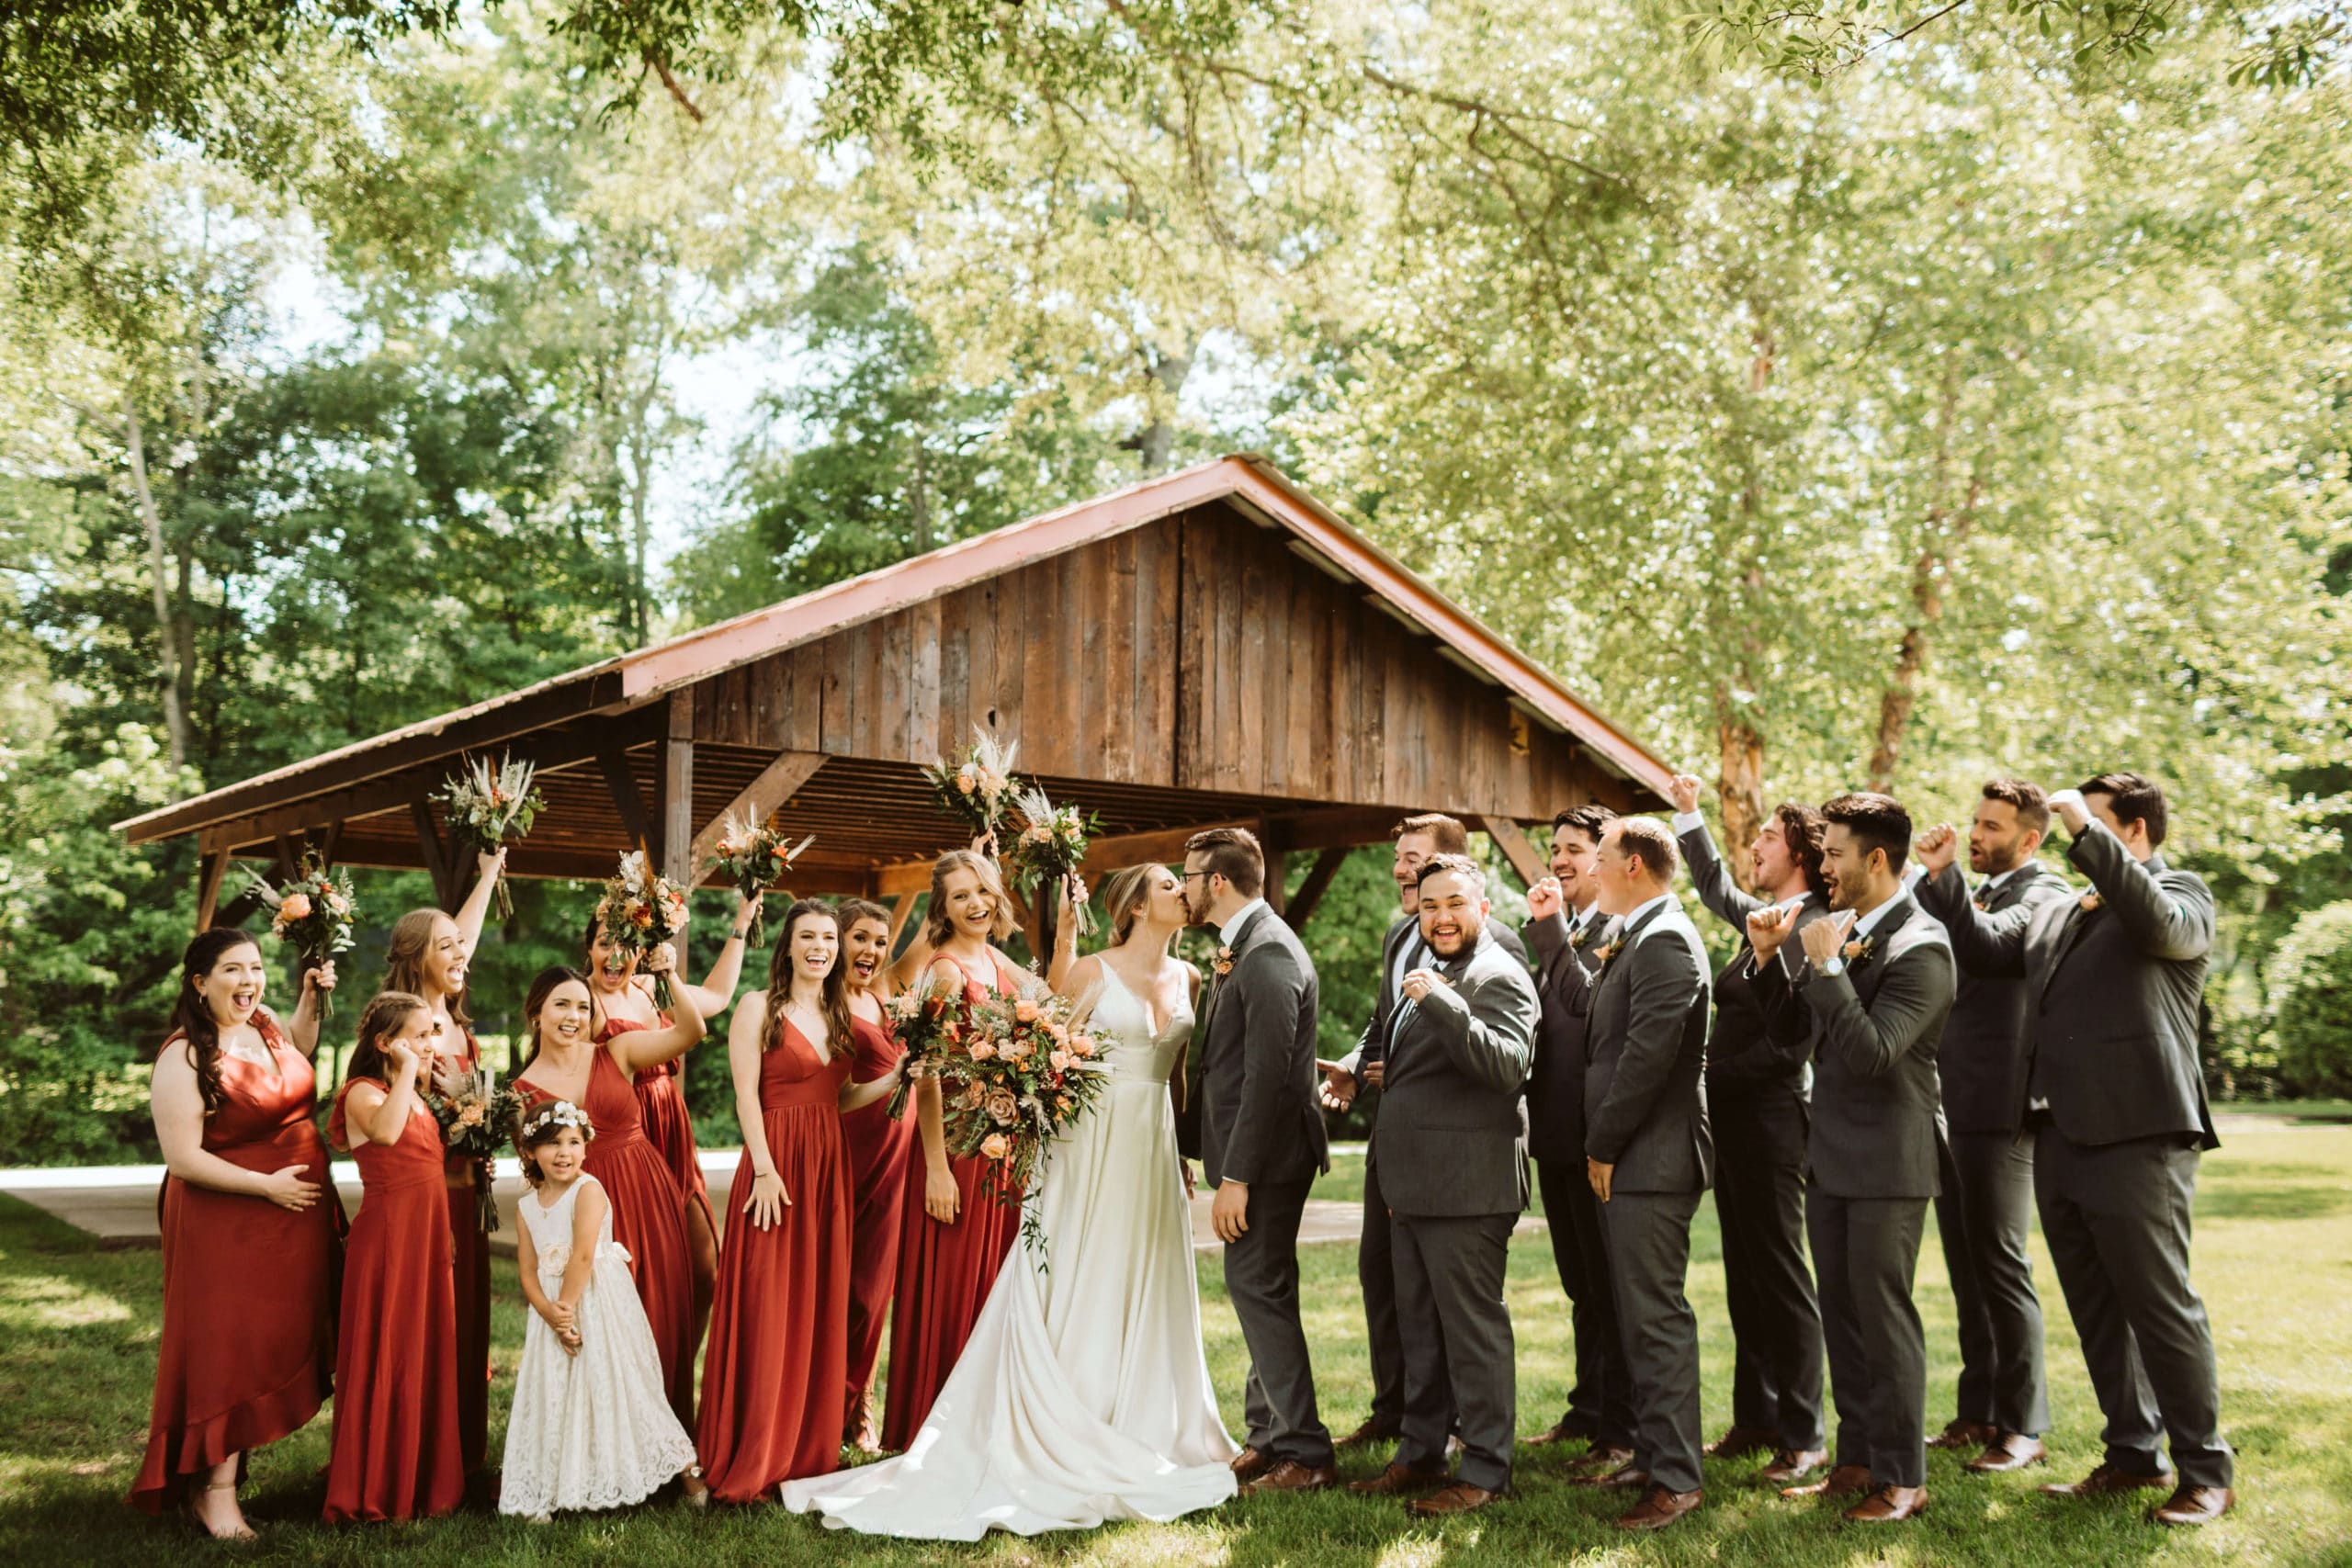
{"type": "Point", "coordinates": [564, 1319]}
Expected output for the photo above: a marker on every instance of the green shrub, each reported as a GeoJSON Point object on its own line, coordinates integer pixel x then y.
{"type": "Point", "coordinates": [2310, 984]}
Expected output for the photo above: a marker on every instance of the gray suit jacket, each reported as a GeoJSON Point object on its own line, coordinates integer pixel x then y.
{"type": "Point", "coordinates": [1872, 1031]}
{"type": "Point", "coordinates": [1745, 1063]}
{"type": "Point", "coordinates": [1983, 1061]}
{"type": "Point", "coordinates": [1448, 1142]}
{"type": "Point", "coordinates": [2114, 993]}
{"type": "Point", "coordinates": [1644, 1094]}
{"type": "Point", "coordinates": [1564, 979]}
{"type": "Point", "coordinates": [1260, 1122]}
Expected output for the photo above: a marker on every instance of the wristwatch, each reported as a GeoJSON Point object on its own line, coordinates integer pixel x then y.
{"type": "Point", "coordinates": [1833, 966]}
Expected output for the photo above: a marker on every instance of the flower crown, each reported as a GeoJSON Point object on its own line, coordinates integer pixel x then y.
{"type": "Point", "coordinates": [558, 1113]}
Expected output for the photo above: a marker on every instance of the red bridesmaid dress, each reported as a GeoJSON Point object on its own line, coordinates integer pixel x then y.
{"type": "Point", "coordinates": [944, 1272]}
{"type": "Point", "coordinates": [879, 1152]}
{"type": "Point", "coordinates": [239, 1367]}
{"type": "Point", "coordinates": [396, 1453]}
{"type": "Point", "coordinates": [647, 1219]}
{"type": "Point", "coordinates": [661, 1103]}
{"type": "Point", "coordinates": [470, 1279]}
{"type": "Point", "coordinates": [773, 1378]}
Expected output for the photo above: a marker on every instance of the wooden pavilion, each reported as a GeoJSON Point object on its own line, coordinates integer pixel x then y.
{"type": "Point", "coordinates": [1209, 647]}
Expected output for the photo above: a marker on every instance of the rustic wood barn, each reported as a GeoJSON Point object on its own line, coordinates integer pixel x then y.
{"type": "Point", "coordinates": [1210, 647]}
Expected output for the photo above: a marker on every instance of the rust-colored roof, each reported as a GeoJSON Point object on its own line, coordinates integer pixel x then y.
{"type": "Point", "coordinates": [1246, 481]}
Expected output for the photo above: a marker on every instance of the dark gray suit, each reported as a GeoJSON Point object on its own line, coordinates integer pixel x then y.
{"type": "Point", "coordinates": [1757, 1092]}
{"type": "Point", "coordinates": [1375, 1249]}
{"type": "Point", "coordinates": [1261, 1126]}
{"type": "Point", "coordinates": [1645, 1114]}
{"type": "Point", "coordinates": [1985, 1211]}
{"type": "Point", "coordinates": [1872, 1031]}
{"type": "Point", "coordinates": [1455, 1177]}
{"type": "Point", "coordinates": [1602, 1398]}
{"type": "Point", "coordinates": [2113, 994]}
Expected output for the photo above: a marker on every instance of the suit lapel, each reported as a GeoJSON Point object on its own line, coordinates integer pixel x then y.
{"type": "Point", "coordinates": [1239, 945]}
{"type": "Point", "coordinates": [1871, 975]}
{"type": "Point", "coordinates": [2076, 924]}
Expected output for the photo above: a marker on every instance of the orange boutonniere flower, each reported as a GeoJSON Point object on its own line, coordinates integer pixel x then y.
{"type": "Point", "coordinates": [1604, 953]}
{"type": "Point", "coordinates": [1223, 962]}
{"type": "Point", "coordinates": [1859, 952]}
{"type": "Point", "coordinates": [1984, 906]}
{"type": "Point", "coordinates": [2090, 901]}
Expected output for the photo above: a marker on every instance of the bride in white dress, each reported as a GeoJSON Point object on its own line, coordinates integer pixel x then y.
{"type": "Point", "coordinates": [1083, 1393]}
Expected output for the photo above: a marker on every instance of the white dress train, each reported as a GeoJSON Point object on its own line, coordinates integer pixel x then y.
{"type": "Point", "coordinates": [1083, 1393]}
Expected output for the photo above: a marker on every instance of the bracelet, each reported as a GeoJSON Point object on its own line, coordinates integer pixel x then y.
{"type": "Point", "coordinates": [740, 931]}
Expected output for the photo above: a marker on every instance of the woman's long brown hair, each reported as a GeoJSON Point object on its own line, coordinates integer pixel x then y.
{"type": "Point", "coordinates": [404, 960]}
{"type": "Point", "coordinates": [192, 1016]}
{"type": "Point", "coordinates": [835, 1004]}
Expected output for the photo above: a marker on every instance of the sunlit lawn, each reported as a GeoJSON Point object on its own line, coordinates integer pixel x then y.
{"type": "Point", "coordinates": [2274, 1259]}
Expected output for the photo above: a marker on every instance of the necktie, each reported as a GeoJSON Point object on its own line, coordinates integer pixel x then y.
{"type": "Point", "coordinates": [1376, 1049]}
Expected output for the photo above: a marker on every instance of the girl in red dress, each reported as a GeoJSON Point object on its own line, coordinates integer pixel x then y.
{"type": "Point", "coordinates": [245, 1197]}
{"type": "Point", "coordinates": [567, 1062]}
{"type": "Point", "coordinates": [396, 1453]}
{"type": "Point", "coordinates": [772, 1381]}
{"type": "Point", "coordinates": [879, 1151]}
{"type": "Point", "coordinates": [955, 1232]}
{"type": "Point", "coordinates": [624, 1001]}
{"type": "Point", "coordinates": [427, 957]}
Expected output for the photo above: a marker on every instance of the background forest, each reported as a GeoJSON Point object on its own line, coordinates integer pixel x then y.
{"type": "Point", "coordinates": [1885, 397]}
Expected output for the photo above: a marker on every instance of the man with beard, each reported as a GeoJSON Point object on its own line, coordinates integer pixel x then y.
{"type": "Point", "coordinates": [1453, 1176]}
{"type": "Point", "coordinates": [1868, 1005]}
{"type": "Point", "coordinates": [1986, 1210]}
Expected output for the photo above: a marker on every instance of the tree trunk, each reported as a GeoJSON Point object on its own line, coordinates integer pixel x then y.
{"type": "Point", "coordinates": [1168, 371]}
{"type": "Point", "coordinates": [921, 499]}
{"type": "Point", "coordinates": [1946, 530]}
{"type": "Point", "coordinates": [1739, 787]}
{"type": "Point", "coordinates": [168, 635]}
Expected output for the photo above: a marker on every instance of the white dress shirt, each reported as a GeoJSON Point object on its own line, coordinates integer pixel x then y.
{"type": "Point", "coordinates": [1232, 927]}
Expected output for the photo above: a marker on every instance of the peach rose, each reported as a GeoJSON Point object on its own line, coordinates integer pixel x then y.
{"type": "Point", "coordinates": [1019, 1050]}
{"type": "Point", "coordinates": [1003, 1106]}
{"type": "Point", "coordinates": [981, 1051]}
{"type": "Point", "coordinates": [974, 1093]}
{"type": "Point", "coordinates": [471, 1116]}
{"type": "Point", "coordinates": [1081, 1046]}
{"type": "Point", "coordinates": [1061, 1061]}
{"type": "Point", "coordinates": [964, 782]}
{"type": "Point", "coordinates": [296, 906]}
{"type": "Point", "coordinates": [1025, 1011]}
{"type": "Point", "coordinates": [996, 1145]}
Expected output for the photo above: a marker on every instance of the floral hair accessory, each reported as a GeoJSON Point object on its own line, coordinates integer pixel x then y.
{"type": "Point", "coordinates": [558, 1113]}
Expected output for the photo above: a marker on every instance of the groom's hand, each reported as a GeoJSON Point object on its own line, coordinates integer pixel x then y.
{"type": "Point", "coordinates": [1338, 1086]}
{"type": "Point", "coordinates": [1599, 1176]}
{"type": "Point", "coordinates": [1229, 1212]}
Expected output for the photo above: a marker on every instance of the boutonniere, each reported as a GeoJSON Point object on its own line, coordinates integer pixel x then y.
{"type": "Point", "coordinates": [1223, 962]}
{"type": "Point", "coordinates": [2090, 901]}
{"type": "Point", "coordinates": [1604, 953]}
{"type": "Point", "coordinates": [1858, 952]}
{"type": "Point", "coordinates": [1579, 936]}
{"type": "Point", "coordinates": [1984, 904]}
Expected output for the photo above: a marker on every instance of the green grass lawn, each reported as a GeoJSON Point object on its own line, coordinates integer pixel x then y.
{"type": "Point", "coordinates": [77, 1330]}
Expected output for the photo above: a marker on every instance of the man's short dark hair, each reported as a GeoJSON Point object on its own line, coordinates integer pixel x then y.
{"type": "Point", "coordinates": [1877, 822]}
{"type": "Point", "coordinates": [1650, 841]}
{"type": "Point", "coordinates": [1451, 865]}
{"type": "Point", "coordinates": [1233, 853]}
{"type": "Point", "coordinates": [1446, 832]}
{"type": "Point", "coordinates": [1801, 829]}
{"type": "Point", "coordinates": [2132, 797]}
{"type": "Point", "coordinates": [1591, 821]}
{"type": "Point", "coordinates": [2033, 807]}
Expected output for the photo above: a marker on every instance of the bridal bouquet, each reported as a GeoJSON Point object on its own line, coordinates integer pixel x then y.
{"type": "Point", "coordinates": [493, 808]}
{"type": "Point", "coordinates": [1052, 846]}
{"type": "Point", "coordinates": [753, 859]}
{"type": "Point", "coordinates": [314, 912]}
{"type": "Point", "coordinates": [929, 1020]}
{"type": "Point", "coordinates": [1029, 1075]}
{"type": "Point", "coordinates": [974, 791]}
{"type": "Point", "coordinates": [477, 1121]}
{"type": "Point", "coordinates": [638, 912]}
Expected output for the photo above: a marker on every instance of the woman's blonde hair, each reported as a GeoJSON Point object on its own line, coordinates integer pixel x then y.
{"type": "Point", "coordinates": [1123, 897]}
{"type": "Point", "coordinates": [936, 926]}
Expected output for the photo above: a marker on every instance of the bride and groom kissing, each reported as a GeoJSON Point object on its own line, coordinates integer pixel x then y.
{"type": "Point", "coordinates": [1083, 1393]}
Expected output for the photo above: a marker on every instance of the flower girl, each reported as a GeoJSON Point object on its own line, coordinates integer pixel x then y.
{"type": "Point", "coordinates": [591, 1427]}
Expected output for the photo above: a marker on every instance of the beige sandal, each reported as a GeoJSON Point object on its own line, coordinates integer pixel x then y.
{"type": "Point", "coordinates": [697, 1493]}
{"type": "Point", "coordinates": [243, 1532]}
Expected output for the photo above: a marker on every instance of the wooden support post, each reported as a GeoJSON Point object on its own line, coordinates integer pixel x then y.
{"type": "Point", "coordinates": [759, 800]}
{"type": "Point", "coordinates": [1277, 880]}
{"type": "Point", "coordinates": [677, 825]}
{"type": "Point", "coordinates": [636, 821]}
{"type": "Point", "coordinates": [1511, 839]}
{"type": "Point", "coordinates": [437, 859]}
{"type": "Point", "coordinates": [901, 910]}
{"type": "Point", "coordinates": [290, 856]}
{"type": "Point", "coordinates": [210, 870]}
{"type": "Point", "coordinates": [329, 841]}
{"type": "Point", "coordinates": [1310, 892]}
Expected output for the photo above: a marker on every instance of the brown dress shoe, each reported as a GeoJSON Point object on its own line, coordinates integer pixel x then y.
{"type": "Point", "coordinates": [1398, 1479]}
{"type": "Point", "coordinates": [1250, 1464]}
{"type": "Point", "coordinates": [2010, 1451]}
{"type": "Point", "coordinates": [1601, 1459]}
{"type": "Point", "coordinates": [2106, 1480]}
{"type": "Point", "coordinates": [1624, 1477]}
{"type": "Point", "coordinates": [2195, 1505]}
{"type": "Point", "coordinates": [1658, 1510]}
{"type": "Point", "coordinates": [1374, 1430]}
{"type": "Point", "coordinates": [1843, 1481]}
{"type": "Point", "coordinates": [1742, 1441]}
{"type": "Point", "coordinates": [1564, 1431]}
{"type": "Point", "coordinates": [1292, 1476]}
{"type": "Point", "coordinates": [1791, 1465]}
{"type": "Point", "coordinates": [1459, 1498]}
{"type": "Point", "coordinates": [1890, 1504]}
{"type": "Point", "coordinates": [1957, 1434]}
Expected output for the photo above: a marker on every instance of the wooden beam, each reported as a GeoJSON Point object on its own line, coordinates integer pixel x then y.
{"type": "Point", "coordinates": [1512, 840]}
{"type": "Point", "coordinates": [759, 800]}
{"type": "Point", "coordinates": [330, 840]}
{"type": "Point", "coordinates": [437, 859]}
{"type": "Point", "coordinates": [209, 870]}
{"type": "Point", "coordinates": [289, 857]}
{"type": "Point", "coordinates": [1310, 892]}
{"type": "Point", "coordinates": [902, 909]}
{"type": "Point", "coordinates": [1277, 891]}
{"type": "Point", "coordinates": [1341, 827]}
{"type": "Point", "coordinates": [677, 824]}
{"type": "Point", "coordinates": [627, 799]}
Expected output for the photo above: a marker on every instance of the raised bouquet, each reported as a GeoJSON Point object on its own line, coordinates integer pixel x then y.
{"type": "Point", "coordinates": [975, 790]}
{"type": "Point", "coordinates": [753, 859]}
{"type": "Point", "coordinates": [477, 1121]}
{"type": "Point", "coordinates": [1051, 847]}
{"type": "Point", "coordinates": [491, 809]}
{"type": "Point", "coordinates": [638, 912]}
{"type": "Point", "coordinates": [313, 911]}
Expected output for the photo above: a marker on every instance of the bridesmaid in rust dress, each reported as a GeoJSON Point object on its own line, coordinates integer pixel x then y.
{"type": "Point", "coordinates": [567, 1062]}
{"type": "Point", "coordinates": [772, 1381]}
{"type": "Point", "coordinates": [396, 1453]}
{"type": "Point", "coordinates": [955, 1234]}
{"type": "Point", "coordinates": [879, 1152]}
{"type": "Point", "coordinates": [245, 1197]}
{"type": "Point", "coordinates": [427, 957]}
{"type": "Point", "coordinates": [624, 1001]}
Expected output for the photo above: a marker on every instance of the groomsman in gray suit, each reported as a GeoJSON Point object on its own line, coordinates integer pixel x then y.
{"type": "Point", "coordinates": [1869, 1002]}
{"type": "Point", "coordinates": [2115, 1102]}
{"type": "Point", "coordinates": [1453, 1174]}
{"type": "Point", "coordinates": [1648, 1155]}
{"type": "Point", "coordinates": [1985, 1213]}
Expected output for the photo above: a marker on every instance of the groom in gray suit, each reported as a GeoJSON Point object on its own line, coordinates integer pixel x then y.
{"type": "Point", "coordinates": [1455, 1179]}
{"type": "Point", "coordinates": [1261, 1147]}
